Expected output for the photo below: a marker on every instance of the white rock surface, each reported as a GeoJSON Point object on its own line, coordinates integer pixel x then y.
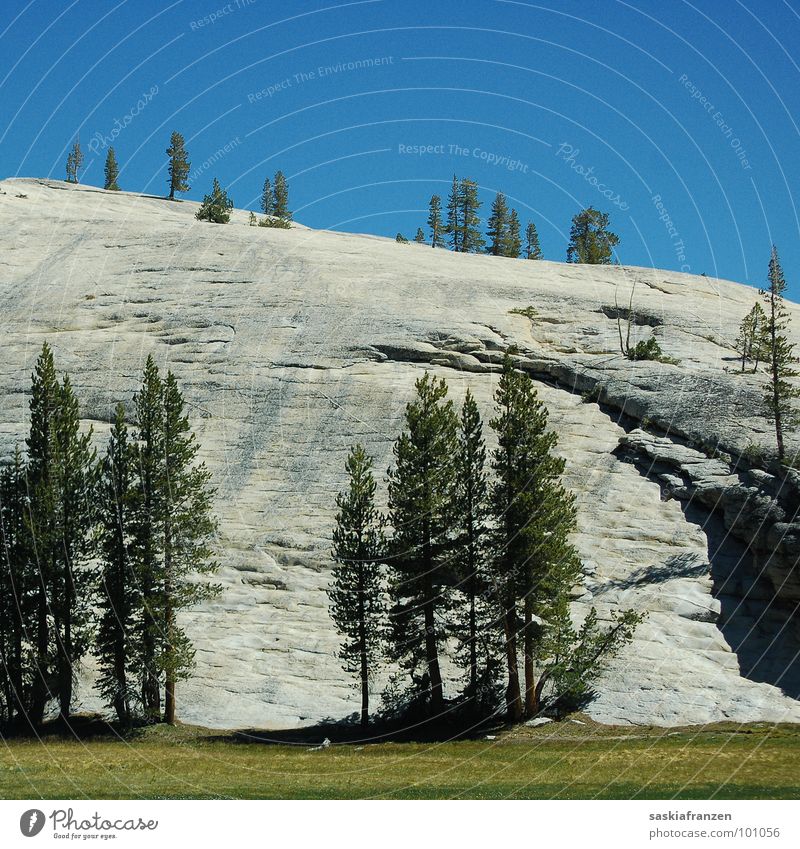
{"type": "Point", "coordinates": [291, 345]}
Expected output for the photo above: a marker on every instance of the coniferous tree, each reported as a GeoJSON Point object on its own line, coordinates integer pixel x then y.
{"type": "Point", "coordinates": [16, 587]}
{"type": "Point", "coordinates": [421, 505]}
{"type": "Point", "coordinates": [356, 592]}
{"type": "Point", "coordinates": [188, 533]}
{"type": "Point", "coordinates": [420, 237]}
{"type": "Point", "coordinates": [435, 222]}
{"type": "Point", "coordinates": [267, 198]}
{"type": "Point", "coordinates": [119, 592]}
{"type": "Point", "coordinates": [477, 630]}
{"type": "Point", "coordinates": [513, 242]}
{"type": "Point", "coordinates": [532, 249]}
{"type": "Point", "coordinates": [41, 525]}
{"type": "Point", "coordinates": [72, 591]}
{"type": "Point", "coordinates": [215, 207]}
{"type": "Point", "coordinates": [472, 240]}
{"type": "Point", "coordinates": [779, 357]}
{"type": "Point", "coordinates": [401, 239]}
{"type": "Point", "coordinates": [281, 199]}
{"type": "Point", "coordinates": [535, 563]}
{"type": "Point", "coordinates": [454, 227]}
{"type": "Point", "coordinates": [590, 240]}
{"type": "Point", "coordinates": [498, 226]}
{"type": "Point", "coordinates": [111, 171]}
{"type": "Point", "coordinates": [148, 534]}
{"type": "Point", "coordinates": [750, 341]}
{"type": "Point", "coordinates": [74, 162]}
{"type": "Point", "coordinates": [179, 165]}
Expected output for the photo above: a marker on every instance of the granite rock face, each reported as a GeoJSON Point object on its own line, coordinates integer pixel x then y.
{"type": "Point", "coordinates": [292, 345]}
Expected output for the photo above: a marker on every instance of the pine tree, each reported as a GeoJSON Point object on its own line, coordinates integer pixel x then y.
{"type": "Point", "coordinates": [435, 222]}
{"type": "Point", "coordinates": [41, 525]}
{"type": "Point", "coordinates": [513, 242]}
{"type": "Point", "coordinates": [750, 341]}
{"type": "Point", "coordinates": [532, 249]}
{"type": "Point", "coordinates": [74, 162]}
{"type": "Point", "coordinates": [454, 227]}
{"type": "Point", "coordinates": [535, 564]}
{"type": "Point", "coordinates": [421, 506]}
{"type": "Point", "coordinates": [498, 226]}
{"type": "Point", "coordinates": [72, 591]}
{"type": "Point", "coordinates": [267, 198]}
{"type": "Point", "coordinates": [590, 240]}
{"type": "Point", "coordinates": [111, 171]}
{"type": "Point", "coordinates": [356, 591]}
{"type": "Point", "coordinates": [215, 207]}
{"type": "Point", "coordinates": [119, 597]}
{"type": "Point", "coordinates": [476, 630]}
{"type": "Point", "coordinates": [420, 237]}
{"type": "Point", "coordinates": [17, 581]}
{"type": "Point", "coordinates": [471, 239]}
{"type": "Point", "coordinates": [779, 357]}
{"type": "Point", "coordinates": [179, 165]}
{"type": "Point", "coordinates": [280, 207]}
{"type": "Point", "coordinates": [401, 239]}
{"type": "Point", "coordinates": [148, 534]}
{"type": "Point", "coordinates": [188, 533]}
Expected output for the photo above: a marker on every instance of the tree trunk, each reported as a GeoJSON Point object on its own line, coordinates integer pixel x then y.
{"type": "Point", "coordinates": [41, 689]}
{"type": "Point", "coordinates": [169, 687]}
{"type": "Point", "coordinates": [65, 668]}
{"type": "Point", "coordinates": [531, 700]}
{"type": "Point", "coordinates": [513, 695]}
{"type": "Point", "coordinates": [473, 645]}
{"type": "Point", "coordinates": [431, 649]}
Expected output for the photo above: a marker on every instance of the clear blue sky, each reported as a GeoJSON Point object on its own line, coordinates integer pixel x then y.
{"type": "Point", "coordinates": [692, 103]}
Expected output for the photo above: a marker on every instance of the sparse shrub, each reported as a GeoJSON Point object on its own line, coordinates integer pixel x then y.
{"type": "Point", "coordinates": [528, 312]}
{"type": "Point", "coordinates": [646, 349]}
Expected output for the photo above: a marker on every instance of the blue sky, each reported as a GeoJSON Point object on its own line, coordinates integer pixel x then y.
{"type": "Point", "coordinates": [680, 119]}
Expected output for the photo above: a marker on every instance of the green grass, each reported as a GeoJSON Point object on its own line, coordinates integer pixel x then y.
{"type": "Point", "coordinates": [568, 761]}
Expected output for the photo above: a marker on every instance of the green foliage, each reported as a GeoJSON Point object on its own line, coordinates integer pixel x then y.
{"type": "Point", "coordinates": [590, 240]}
{"type": "Point", "coordinates": [498, 226]}
{"type": "Point", "coordinates": [120, 599]}
{"type": "Point", "coordinates": [357, 593]}
{"type": "Point", "coordinates": [179, 165]}
{"type": "Point", "coordinates": [751, 342]}
{"type": "Point", "coordinates": [111, 171]}
{"type": "Point", "coordinates": [435, 224]}
{"type": "Point", "coordinates": [74, 162]}
{"type": "Point", "coordinates": [422, 512]}
{"type": "Point", "coordinates": [280, 208]}
{"type": "Point", "coordinates": [276, 223]}
{"type": "Point", "coordinates": [463, 221]}
{"type": "Point", "coordinates": [401, 239]}
{"type": "Point", "coordinates": [532, 249]}
{"type": "Point", "coordinates": [512, 245]}
{"type": "Point", "coordinates": [215, 207]}
{"type": "Point", "coordinates": [475, 624]}
{"type": "Point", "coordinates": [267, 198]}
{"type": "Point", "coordinates": [528, 312]}
{"type": "Point", "coordinates": [420, 237]}
{"type": "Point", "coordinates": [17, 596]}
{"type": "Point", "coordinates": [253, 220]}
{"type": "Point", "coordinates": [646, 349]}
{"type": "Point", "coordinates": [779, 357]}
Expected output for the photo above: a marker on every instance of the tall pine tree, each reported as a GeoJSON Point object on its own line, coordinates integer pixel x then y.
{"type": "Point", "coordinates": [111, 172]}
{"type": "Point", "coordinates": [498, 226]}
{"type": "Point", "coordinates": [357, 593]}
{"type": "Point", "coordinates": [267, 198]}
{"type": "Point", "coordinates": [779, 357]}
{"type": "Point", "coordinates": [119, 603]}
{"type": "Point", "coordinates": [472, 240]}
{"type": "Point", "coordinates": [513, 242]}
{"type": "Point", "coordinates": [422, 507]}
{"type": "Point", "coordinates": [532, 249]}
{"type": "Point", "coordinates": [435, 224]}
{"type": "Point", "coordinates": [179, 165]}
{"type": "Point", "coordinates": [281, 199]}
{"type": "Point", "coordinates": [188, 534]}
{"type": "Point", "coordinates": [454, 228]}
